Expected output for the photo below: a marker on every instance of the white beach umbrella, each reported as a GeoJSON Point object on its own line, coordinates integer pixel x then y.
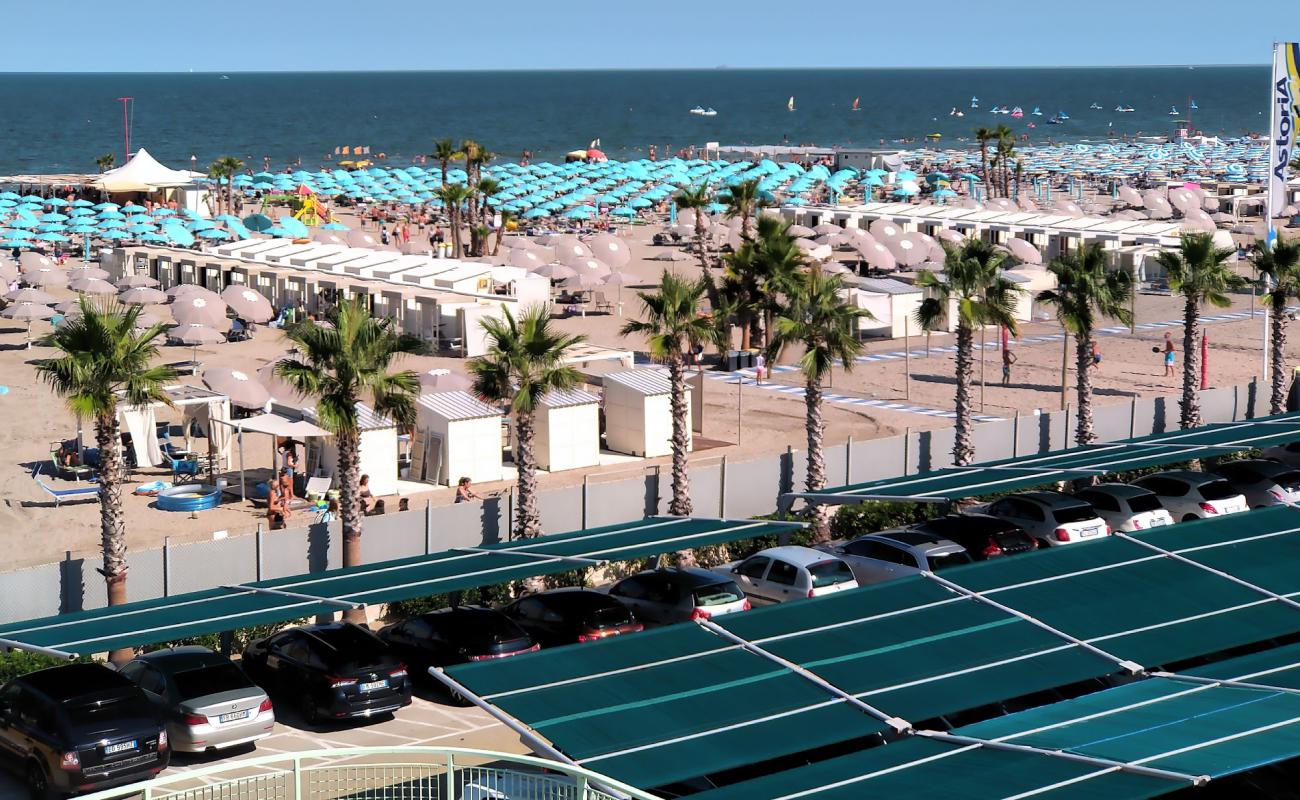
{"type": "Point", "coordinates": [883, 229]}
{"type": "Point", "coordinates": [801, 231]}
{"type": "Point", "coordinates": [879, 256]}
{"type": "Point", "coordinates": [610, 249]}
{"type": "Point", "coordinates": [248, 303]}
{"type": "Point", "coordinates": [30, 296]}
{"type": "Point", "coordinates": [555, 271]}
{"type": "Point", "coordinates": [906, 250]}
{"type": "Point", "coordinates": [46, 277]}
{"type": "Point", "coordinates": [93, 286]}
{"type": "Point", "coordinates": [1130, 195]}
{"type": "Point", "coordinates": [143, 296]}
{"type": "Point", "coordinates": [244, 390]}
{"type": "Point", "coordinates": [526, 258]}
{"type": "Point", "coordinates": [1024, 251]}
{"type": "Point", "coordinates": [198, 310]}
{"type": "Point", "coordinates": [827, 228]}
{"type": "Point", "coordinates": [571, 250]}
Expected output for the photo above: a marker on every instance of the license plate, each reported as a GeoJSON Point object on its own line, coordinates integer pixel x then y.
{"type": "Point", "coordinates": [373, 685]}
{"type": "Point", "coordinates": [234, 715]}
{"type": "Point", "coordinates": [1090, 531]}
{"type": "Point", "coordinates": [120, 747]}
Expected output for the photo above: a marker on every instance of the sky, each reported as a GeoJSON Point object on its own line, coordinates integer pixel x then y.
{"type": "Point", "coordinates": [332, 35]}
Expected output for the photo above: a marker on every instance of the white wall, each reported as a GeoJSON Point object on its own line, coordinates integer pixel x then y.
{"type": "Point", "coordinates": [472, 448]}
{"type": "Point", "coordinates": [639, 425]}
{"type": "Point", "coordinates": [568, 438]}
{"type": "Point", "coordinates": [378, 460]}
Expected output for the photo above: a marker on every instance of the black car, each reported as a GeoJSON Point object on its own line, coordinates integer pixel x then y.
{"type": "Point", "coordinates": [566, 616]}
{"type": "Point", "coordinates": [678, 594]}
{"type": "Point", "coordinates": [79, 728]}
{"type": "Point", "coordinates": [982, 535]}
{"type": "Point", "coordinates": [455, 636]}
{"type": "Point", "coordinates": [333, 671]}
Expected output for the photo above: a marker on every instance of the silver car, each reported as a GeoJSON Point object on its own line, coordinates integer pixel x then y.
{"type": "Point", "coordinates": [778, 574]}
{"type": "Point", "coordinates": [1265, 483]}
{"type": "Point", "coordinates": [1126, 507]}
{"type": "Point", "coordinates": [898, 553]}
{"type": "Point", "coordinates": [208, 702]}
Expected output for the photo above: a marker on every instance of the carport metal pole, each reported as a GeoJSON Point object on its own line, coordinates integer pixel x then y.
{"type": "Point", "coordinates": [13, 644]}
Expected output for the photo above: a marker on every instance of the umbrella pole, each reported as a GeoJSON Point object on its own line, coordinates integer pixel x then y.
{"type": "Point", "coordinates": [243, 487]}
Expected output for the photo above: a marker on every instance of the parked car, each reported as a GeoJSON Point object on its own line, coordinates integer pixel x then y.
{"type": "Point", "coordinates": [567, 616]}
{"type": "Point", "coordinates": [982, 535]}
{"type": "Point", "coordinates": [778, 574]}
{"type": "Point", "coordinates": [455, 636]}
{"type": "Point", "coordinates": [1053, 518]}
{"type": "Point", "coordinates": [898, 553]}
{"type": "Point", "coordinates": [79, 728]}
{"type": "Point", "coordinates": [207, 701]}
{"type": "Point", "coordinates": [333, 671]}
{"type": "Point", "coordinates": [678, 594]}
{"type": "Point", "coordinates": [1126, 507]}
{"type": "Point", "coordinates": [1286, 453]}
{"type": "Point", "coordinates": [1193, 495]}
{"type": "Point", "coordinates": [1264, 483]}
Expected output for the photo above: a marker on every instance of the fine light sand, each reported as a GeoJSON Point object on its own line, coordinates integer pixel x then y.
{"type": "Point", "coordinates": [32, 531]}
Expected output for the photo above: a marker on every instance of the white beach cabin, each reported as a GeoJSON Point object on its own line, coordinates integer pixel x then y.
{"type": "Point", "coordinates": [638, 413]}
{"type": "Point", "coordinates": [378, 452]}
{"type": "Point", "coordinates": [567, 433]}
{"type": "Point", "coordinates": [461, 438]}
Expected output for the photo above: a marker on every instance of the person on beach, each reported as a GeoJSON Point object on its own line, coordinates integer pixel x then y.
{"type": "Point", "coordinates": [1096, 356]}
{"type": "Point", "coordinates": [760, 366]}
{"type": "Point", "coordinates": [363, 486]}
{"type": "Point", "coordinates": [1169, 351]}
{"type": "Point", "coordinates": [465, 491]}
{"type": "Point", "coordinates": [1008, 358]}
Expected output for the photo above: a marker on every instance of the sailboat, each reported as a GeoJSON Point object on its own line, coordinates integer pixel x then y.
{"type": "Point", "coordinates": [974, 102]}
{"type": "Point", "coordinates": [1017, 112]}
{"type": "Point", "coordinates": [1097, 107]}
{"type": "Point", "coordinates": [1037, 112]}
{"type": "Point", "coordinates": [856, 106]}
{"type": "Point", "coordinates": [789, 104]}
{"type": "Point", "coordinates": [1194, 106]}
{"type": "Point", "coordinates": [1062, 115]}
{"type": "Point", "coordinates": [1173, 111]}
{"type": "Point", "coordinates": [955, 113]}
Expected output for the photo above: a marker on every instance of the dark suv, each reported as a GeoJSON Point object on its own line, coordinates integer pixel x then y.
{"type": "Point", "coordinates": [454, 636]}
{"type": "Point", "coordinates": [79, 728]}
{"type": "Point", "coordinates": [983, 536]}
{"type": "Point", "coordinates": [330, 671]}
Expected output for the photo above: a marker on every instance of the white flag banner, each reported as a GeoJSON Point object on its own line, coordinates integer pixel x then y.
{"type": "Point", "coordinates": [1284, 116]}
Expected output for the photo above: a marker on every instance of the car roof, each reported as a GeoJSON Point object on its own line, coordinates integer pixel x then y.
{"type": "Point", "coordinates": [1122, 490]}
{"type": "Point", "coordinates": [176, 659]}
{"type": "Point", "coordinates": [801, 556]}
{"type": "Point", "coordinates": [961, 524]}
{"type": "Point", "coordinates": [1187, 476]}
{"type": "Point", "coordinates": [920, 541]}
{"type": "Point", "coordinates": [1261, 465]}
{"type": "Point", "coordinates": [1046, 498]}
{"type": "Point", "coordinates": [70, 680]}
{"type": "Point", "coordinates": [694, 576]}
{"type": "Point", "coordinates": [572, 597]}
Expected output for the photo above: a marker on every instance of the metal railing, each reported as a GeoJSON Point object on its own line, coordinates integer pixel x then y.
{"type": "Point", "coordinates": [382, 773]}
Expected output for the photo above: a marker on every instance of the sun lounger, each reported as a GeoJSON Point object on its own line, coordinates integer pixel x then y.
{"type": "Point", "coordinates": [81, 492]}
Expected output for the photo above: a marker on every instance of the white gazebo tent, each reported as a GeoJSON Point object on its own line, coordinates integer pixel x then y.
{"type": "Point", "coordinates": [567, 433]}
{"type": "Point", "coordinates": [195, 404]}
{"type": "Point", "coordinates": [377, 450]}
{"type": "Point", "coordinates": [638, 413]}
{"type": "Point", "coordinates": [462, 433]}
{"type": "Point", "coordinates": [275, 426]}
{"type": "Point", "coordinates": [892, 305]}
{"type": "Point", "coordinates": [143, 173]}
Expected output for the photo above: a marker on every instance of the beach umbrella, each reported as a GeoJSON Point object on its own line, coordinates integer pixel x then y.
{"type": "Point", "coordinates": [443, 380]}
{"type": "Point", "coordinates": [334, 226]}
{"type": "Point", "coordinates": [115, 234]}
{"type": "Point", "coordinates": [8, 272]}
{"type": "Point", "coordinates": [198, 309]}
{"type": "Point", "coordinates": [258, 222]}
{"type": "Point", "coordinates": [67, 307]}
{"type": "Point", "coordinates": [93, 286]}
{"type": "Point", "coordinates": [27, 312]}
{"type": "Point", "coordinates": [29, 296]}
{"type": "Point", "coordinates": [611, 249]}
{"type": "Point", "coordinates": [801, 231]}
{"type": "Point", "coordinates": [248, 304]}
{"type": "Point", "coordinates": [143, 296]}
{"type": "Point", "coordinates": [570, 249]}
{"type": "Point", "coordinates": [195, 335]}
{"type": "Point", "coordinates": [46, 277]}
{"type": "Point", "coordinates": [87, 273]}
{"type": "Point", "coordinates": [213, 233]}
{"type": "Point", "coordinates": [244, 390]}
{"type": "Point", "coordinates": [293, 227]}
{"type": "Point", "coordinates": [582, 281]}
{"type": "Point", "coordinates": [879, 256]}
{"type": "Point", "coordinates": [178, 235]}
{"type": "Point", "coordinates": [1024, 251]}
{"type": "Point", "coordinates": [51, 237]}
{"type": "Point", "coordinates": [883, 229]}
{"type": "Point", "coordinates": [556, 271]}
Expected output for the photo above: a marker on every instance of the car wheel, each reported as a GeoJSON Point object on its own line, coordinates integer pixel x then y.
{"type": "Point", "coordinates": [307, 707]}
{"type": "Point", "coordinates": [38, 783]}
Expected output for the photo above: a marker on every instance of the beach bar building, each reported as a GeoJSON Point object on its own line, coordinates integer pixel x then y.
{"type": "Point", "coordinates": [461, 438]}
{"type": "Point", "coordinates": [638, 413]}
{"type": "Point", "coordinates": [567, 432]}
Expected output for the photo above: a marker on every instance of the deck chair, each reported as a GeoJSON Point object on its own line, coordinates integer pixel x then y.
{"type": "Point", "coordinates": [603, 304]}
{"type": "Point", "coordinates": [74, 472]}
{"type": "Point", "coordinates": [81, 492]}
{"type": "Point", "coordinates": [179, 465]}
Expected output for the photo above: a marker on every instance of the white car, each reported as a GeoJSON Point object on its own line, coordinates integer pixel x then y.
{"type": "Point", "coordinates": [1126, 507]}
{"type": "Point", "coordinates": [778, 574]}
{"type": "Point", "coordinates": [1194, 495]}
{"type": "Point", "coordinates": [1264, 483]}
{"type": "Point", "coordinates": [1053, 518]}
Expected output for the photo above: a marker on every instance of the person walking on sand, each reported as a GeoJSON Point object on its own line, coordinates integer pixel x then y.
{"type": "Point", "coordinates": [1169, 351]}
{"type": "Point", "coordinates": [1008, 358]}
{"type": "Point", "coordinates": [1096, 356]}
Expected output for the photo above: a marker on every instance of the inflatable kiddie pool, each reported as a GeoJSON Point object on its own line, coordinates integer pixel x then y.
{"type": "Point", "coordinates": [189, 497]}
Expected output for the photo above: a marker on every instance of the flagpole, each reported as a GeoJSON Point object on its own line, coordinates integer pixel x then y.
{"type": "Point", "coordinates": [1268, 195]}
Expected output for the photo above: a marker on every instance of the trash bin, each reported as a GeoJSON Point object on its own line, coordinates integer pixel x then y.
{"type": "Point", "coordinates": [733, 360]}
{"type": "Point", "coordinates": [746, 359]}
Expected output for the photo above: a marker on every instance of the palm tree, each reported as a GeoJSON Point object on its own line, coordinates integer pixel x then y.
{"type": "Point", "coordinates": [1085, 290]}
{"type": "Point", "coordinates": [1279, 269]}
{"type": "Point", "coordinates": [778, 261]}
{"type": "Point", "coordinates": [453, 197]}
{"type": "Point", "coordinates": [105, 162]}
{"type": "Point", "coordinates": [744, 201]}
{"type": "Point", "coordinates": [673, 326]}
{"type": "Point", "coordinates": [101, 354]}
{"type": "Point", "coordinates": [983, 136]}
{"type": "Point", "coordinates": [697, 198]}
{"type": "Point", "coordinates": [981, 295]}
{"type": "Point", "coordinates": [524, 362]}
{"type": "Point", "coordinates": [476, 155]}
{"type": "Point", "coordinates": [341, 367]}
{"type": "Point", "coordinates": [445, 152]}
{"type": "Point", "coordinates": [819, 319]}
{"type": "Point", "coordinates": [507, 216]}
{"type": "Point", "coordinates": [1006, 148]}
{"type": "Point", "coordinates": [226, 167]}
{"type": "Point", "coordinates": [1200, 273]}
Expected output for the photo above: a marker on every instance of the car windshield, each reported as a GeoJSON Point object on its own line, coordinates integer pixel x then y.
{"type": "Point", "coordinates": [1288, 480]}
{"type": "Point", "coordinates": [717, 594]}
{"type": "Point", "coordinates": [829, 573]}
{"type": "Point", "coordinates": [1079, 513]}
{"type": "Point", "coordinates": [1218, 490]}
{"type": "Point", "coordinates": [1144, 502]}
{"type": "Point", "coordinates": [942, 561]}
{"type": "Point", "coordinates": [210, 679]}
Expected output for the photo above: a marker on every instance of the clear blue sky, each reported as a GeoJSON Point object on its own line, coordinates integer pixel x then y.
{"type": "Point", "coordinates": [227, 35]}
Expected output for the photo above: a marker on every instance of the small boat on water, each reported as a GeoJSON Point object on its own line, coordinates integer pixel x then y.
{"type": "Point", "coordinates": [789, 104]}
{"type": "Point", "coordinates": [856, 104]}
{"type": "Point", "coordinates": [1002, 110]}
{"type": "Point", "coordinates": [974, 102]}
{"type": "Point", "coordinates": [956, 113]}
{"type": "Point", "coordinates": [1173, 111]}
{"type": "Point", "coordinates": [1125, 109]}
{"type": "Point", "coordinates": [1057, 120]}
{"type": "Point", "coordinates": [1031, 125]}
{"type": "Point", "coordinates": [1017, 112]}
{"type": "Point", "coordinates": [1061, 115]}
{"type": "Point", "coordinates": [1037, 112]}
{"type": "Point", "coordinates": [1097, 107]}
{"type": "Point", "coordinates": [1194, 106]}
{"type": "Point", "coordinates": [698, 111]}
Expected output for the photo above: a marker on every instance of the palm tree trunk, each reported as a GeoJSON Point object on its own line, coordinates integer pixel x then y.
{"type": "Point", "coordinates": [680, 504]}
{"type": "Point", "coordinates": [699, 240]}
{"type": "Point", "coordinates": [816, 429]}
{"type": "Point", "coordinates": [112, 522]}
{"type": "Point", "coordinates": [528, 521]}
{"type": "Point", "coordinates": [984, 164]}
{"type": "Point", "coordinates": [1277, 402]}
{"type": "Point", "coordinates": [349, 447]}
{"type": "Point", "coordinates": [1083, 384]}
{"type": "Point", "coordinates": [963, 448]}
{"type": "Point", "coordinates": [1191, 403]}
